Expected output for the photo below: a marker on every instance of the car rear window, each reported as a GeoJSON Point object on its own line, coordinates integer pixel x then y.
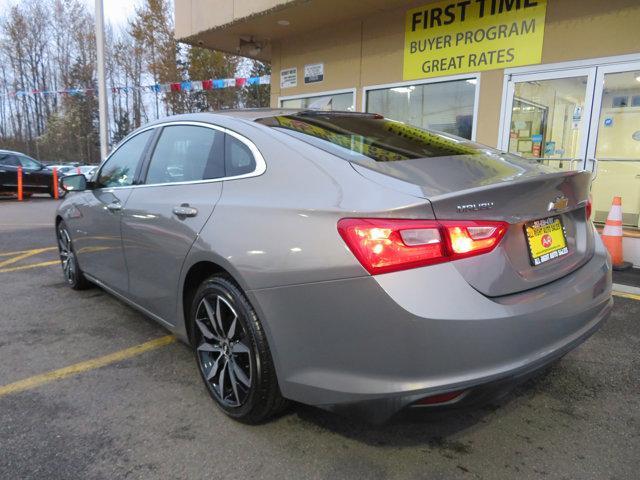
{"type": "Point", "coordinates": [352, 136]}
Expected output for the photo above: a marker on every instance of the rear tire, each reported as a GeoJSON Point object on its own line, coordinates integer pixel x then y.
{"type": "Point", "coordinates": [70, 268]}
{"type": "Point", "coordinates": [232, 352]}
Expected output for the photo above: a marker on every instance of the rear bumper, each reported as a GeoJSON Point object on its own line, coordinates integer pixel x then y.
{"type": "Point", "coordinates": [370, 346]}
{"type": "Point", "coordinates": [476, 390]}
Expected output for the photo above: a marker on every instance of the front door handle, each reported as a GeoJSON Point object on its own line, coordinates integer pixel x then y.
{"type": "Point", "coordinates": [114, 206]}
{"type": "Point", "coordinates": [185, 211]}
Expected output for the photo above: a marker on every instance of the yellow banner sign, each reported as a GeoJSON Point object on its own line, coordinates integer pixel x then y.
{"type": "Point", "coordinates": [452, 37]}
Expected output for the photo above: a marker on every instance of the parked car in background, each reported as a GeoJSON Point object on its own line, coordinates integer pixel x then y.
{"type": "Point", "coordinates": [36, 177]}
{"type": "Point", "coordinates": [73, 169]}
{"type": "Point", "coordinates": [87, 170]}
{"type": "Point", "coordinates": [63, 169]}
{"type": "Point", "coordinates": [340, 259]}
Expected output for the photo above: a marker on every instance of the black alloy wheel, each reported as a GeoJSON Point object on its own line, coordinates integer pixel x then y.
{"type": "Point", "coordinates": [232, 352]}
{"type": "Point", "coordinates": [70, 268]}
{"type": "Point", "coordinates": [224, 355]}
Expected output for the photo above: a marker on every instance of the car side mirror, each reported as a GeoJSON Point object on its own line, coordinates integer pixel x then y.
{"type": "Point", "coordinates": [73, 183]}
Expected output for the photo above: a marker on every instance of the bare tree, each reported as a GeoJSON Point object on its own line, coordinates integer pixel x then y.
{"type": "Point", "coordinates": [48, 104]}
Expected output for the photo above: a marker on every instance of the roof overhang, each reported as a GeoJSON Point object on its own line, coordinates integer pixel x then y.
{"type": "Point", "coordinates": [254, 25]}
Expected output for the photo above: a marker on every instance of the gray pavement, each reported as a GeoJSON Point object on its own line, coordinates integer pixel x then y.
{"type": "Point", "coordinates": [150, 417]}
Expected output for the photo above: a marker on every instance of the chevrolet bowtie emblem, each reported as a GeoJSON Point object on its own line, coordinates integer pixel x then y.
{"type": "Point", "coordinates": [560, 203]}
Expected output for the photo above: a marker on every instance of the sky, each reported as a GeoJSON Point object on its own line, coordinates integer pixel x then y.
{"type": "Point", "coordinates": [115, 11]}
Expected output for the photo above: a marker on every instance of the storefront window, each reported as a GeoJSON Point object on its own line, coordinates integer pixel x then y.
{"type": "Point", "coordinates": [546, 120]}
{"type": "Point", "coordinates": [618, 147]}
{"type": "Point", "coordinates": [443, 106]}
{"type": "Point", "coordinates": [338, 101]}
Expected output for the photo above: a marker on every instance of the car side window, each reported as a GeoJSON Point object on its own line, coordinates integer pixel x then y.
{"type": "Point", "coordinates": [29, 163]}
{"type": "Point", "coordinates": [120, 169]}
{"type": "Point", "coordinates": [9, 161]}
{"type": "Point", "coordinates": [238, 157]}
{"type": "Point", "coordinates": [187, 153]}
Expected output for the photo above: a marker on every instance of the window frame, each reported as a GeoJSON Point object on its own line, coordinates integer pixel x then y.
{"type": "Point", "coordinates": [141, 172]}
{"type": "Point", "coordinates": [352, 91]}
{"type": "Point", "coordinates": [152, 148]}
{"type": "Point", "coordinates": [136, 174]}
{"type": "Point", "coordinates": [39, 165]}
{"type": "Point", "coordinates": [226, 158]}
{"type": "Point", "coordinates": [10, 154]}
{"type": "Point", "coordinates": [426, 81]}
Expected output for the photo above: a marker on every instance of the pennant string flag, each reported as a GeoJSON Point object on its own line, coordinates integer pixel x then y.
{"type": "Point", "coordinates": [185, 86]}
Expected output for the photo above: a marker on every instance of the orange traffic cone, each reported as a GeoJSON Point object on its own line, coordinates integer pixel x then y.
{"type": "Point", "coordinates": [612, 235]}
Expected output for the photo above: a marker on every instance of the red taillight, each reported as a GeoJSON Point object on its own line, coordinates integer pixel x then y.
{"type": "Point", "coordinates": [587, 208]}
{"type": "Point", "coordinates": [383, 245]}
{"type": "Point", "coordinates": [386, 245]}
{"type": "Point", "coordinates": [468, 238]}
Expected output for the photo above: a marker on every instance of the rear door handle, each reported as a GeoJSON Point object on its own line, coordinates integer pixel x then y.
{"type": "Point", "coordinates": [114, 207]}
{"type": "Point", "coordinates": [185, 211]}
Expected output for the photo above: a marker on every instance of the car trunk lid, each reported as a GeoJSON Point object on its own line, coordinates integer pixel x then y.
{"type": "Point", "coordinates": [503, 188]}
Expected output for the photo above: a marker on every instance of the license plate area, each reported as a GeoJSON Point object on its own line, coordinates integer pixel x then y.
{"type": "Point", "coordinates": [546, 240]}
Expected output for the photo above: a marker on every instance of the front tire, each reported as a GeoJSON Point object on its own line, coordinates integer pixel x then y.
{"type": "Point", "coordinates": [232, 352]}
{"type": "Point", "coordinates": [70, 268]}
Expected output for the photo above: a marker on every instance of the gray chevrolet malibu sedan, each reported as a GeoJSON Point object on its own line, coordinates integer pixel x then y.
{"type": "Point", "coordinates": [339, 259]}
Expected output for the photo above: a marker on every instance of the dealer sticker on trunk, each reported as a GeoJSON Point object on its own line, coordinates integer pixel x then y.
{"type": "Point", "coordinates": [546, 240]}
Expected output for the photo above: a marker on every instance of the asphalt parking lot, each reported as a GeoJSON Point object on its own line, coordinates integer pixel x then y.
{"type": "Point", "coordinates": [143, 413]}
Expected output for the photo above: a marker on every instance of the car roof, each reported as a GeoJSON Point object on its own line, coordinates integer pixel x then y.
{"type": "Point", "coordinates": [257, 113]}
{"type": "Point", "coordinates": [251, 114]}
{"type": "Point", "coordinates": [226, 118]}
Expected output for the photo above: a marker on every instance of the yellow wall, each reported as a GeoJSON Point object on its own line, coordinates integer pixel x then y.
{"type": "Point", "coordinates": [368, 51]}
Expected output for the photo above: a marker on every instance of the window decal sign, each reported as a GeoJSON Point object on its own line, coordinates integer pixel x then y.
{"type": "Point", "coordinates": [453, 37]}
{"type": "Point", "coordinates": [314, 73]}
{"type": "Point", "coordinates": [288, 77]}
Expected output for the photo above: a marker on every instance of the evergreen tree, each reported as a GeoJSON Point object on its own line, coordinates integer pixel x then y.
{"type": "Point", "coordinates": [254, 96]}
{"type": "Point", "coordinates": [152, 27]}
{"type": "Point", "coordinates": [206, 64]}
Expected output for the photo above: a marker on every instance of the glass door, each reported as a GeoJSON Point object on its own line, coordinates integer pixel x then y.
{"type": "Point", "coordinates": [548, 118]}
{"type": "Point", "coordinates": [614, 141]}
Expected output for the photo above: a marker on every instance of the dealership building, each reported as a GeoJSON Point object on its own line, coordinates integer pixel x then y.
{"type": "Point", "coordinates": [554, 80]}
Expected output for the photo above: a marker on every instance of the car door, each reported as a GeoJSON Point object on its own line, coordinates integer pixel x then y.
{"type": "Point", "coordinates": [34, 176]}
{"type": "Point", "coordinates": [163, 217]}
{"type": "Point", "coordinates": [8, 171]}
{"type": "Point", "coordinates": [96, 224]}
